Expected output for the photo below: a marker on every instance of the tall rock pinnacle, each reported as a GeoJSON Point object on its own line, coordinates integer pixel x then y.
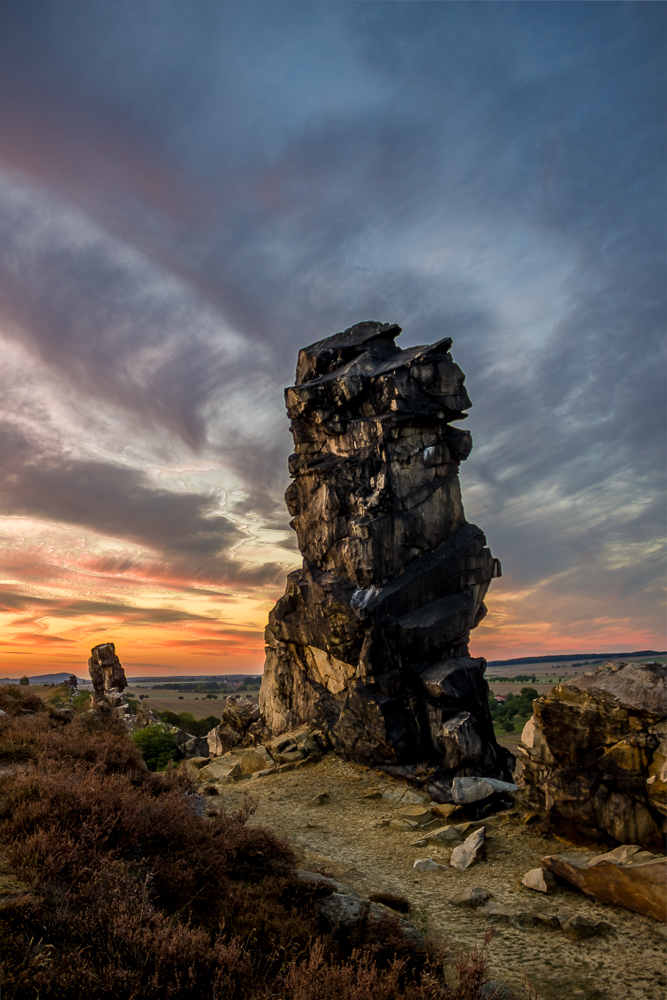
{"type": "Point", "coordinates": [370, 640]}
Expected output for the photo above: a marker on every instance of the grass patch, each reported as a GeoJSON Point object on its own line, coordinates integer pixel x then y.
{"type": "Point", "coordinates": [157, 746]}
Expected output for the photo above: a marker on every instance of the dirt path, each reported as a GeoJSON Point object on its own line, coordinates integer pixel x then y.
{"type": "Point", "coordinates": [343, 838]}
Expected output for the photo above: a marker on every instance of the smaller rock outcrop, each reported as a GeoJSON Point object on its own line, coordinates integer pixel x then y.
{"type": "Point", "coordinates": [626, 876]}
{"type": "Point", "coordinates": [109, 681]}
{"type": "Point", "coordinates": [241, 726]}
{"type": "Point", "coordinates": [593, 758]}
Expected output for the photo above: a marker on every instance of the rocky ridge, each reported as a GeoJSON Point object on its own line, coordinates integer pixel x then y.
{"type": "Point", "coordinates": [370, 641]}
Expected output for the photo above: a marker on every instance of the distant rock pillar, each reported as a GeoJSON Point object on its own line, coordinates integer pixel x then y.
{"type": "Point", "coordinates": [370, 641]}
{"type": "Point", "coordinates": [109, 681]}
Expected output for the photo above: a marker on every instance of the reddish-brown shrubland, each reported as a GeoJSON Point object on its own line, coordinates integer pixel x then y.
{"type": "Point", "coordinates": [134, 894]}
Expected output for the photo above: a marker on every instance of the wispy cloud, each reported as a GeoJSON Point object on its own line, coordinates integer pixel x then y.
{"type": "Point", "coordinates": [191, 193]}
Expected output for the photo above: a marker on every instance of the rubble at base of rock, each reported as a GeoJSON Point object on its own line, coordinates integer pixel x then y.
{"type": "Point", "coordinates": [593, 758]}
{"type": "Point", "coordinates": [370, 641]}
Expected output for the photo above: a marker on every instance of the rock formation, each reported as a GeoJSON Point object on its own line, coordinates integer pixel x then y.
{"type": "Point", "coordinates": [627, 877]}
{"type": "Point", "coordinates": [109, 680]}
{"type": "Point", "coordinates": [594, 755]}
{"type": "Point", "coordinates": [370, 641]}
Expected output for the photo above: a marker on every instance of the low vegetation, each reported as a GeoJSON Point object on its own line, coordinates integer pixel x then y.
{"type": "Point", "coordinates": [132, 892]}
{"type": "Point", "coordinates": [512, 714]}
{"type": "Point", "coordinates": [157, 747]}
{"type": "Point", "coordinates": [187, 721]}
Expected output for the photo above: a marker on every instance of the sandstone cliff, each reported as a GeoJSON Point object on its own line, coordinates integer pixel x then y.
{"type": "Point", "coordinates": [593, 756]}
{"type": "Point", "coordinates": [370, 641]}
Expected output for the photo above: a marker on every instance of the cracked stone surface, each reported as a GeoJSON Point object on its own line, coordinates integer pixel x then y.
{"type": "Point", "coordinates": [593, 757]}
{"type": "Point", "coordinates": [370, 641]}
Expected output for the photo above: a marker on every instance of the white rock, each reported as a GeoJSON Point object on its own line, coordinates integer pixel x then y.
{"type": "Point", "coordinates": [427, 865]}
{"type": "Point", "coordinates": [539, 879]}
{"type": "Point", "coordinates": [467, 790]}
{"type": "Point", "coordinates": [470, 850]}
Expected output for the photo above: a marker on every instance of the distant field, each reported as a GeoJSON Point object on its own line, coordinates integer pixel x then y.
{"type": "Point", "coordinates": [198, 704]}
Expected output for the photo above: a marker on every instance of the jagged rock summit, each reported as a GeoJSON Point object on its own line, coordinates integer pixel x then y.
{"type": "Point", "coordinates": [370, 641]}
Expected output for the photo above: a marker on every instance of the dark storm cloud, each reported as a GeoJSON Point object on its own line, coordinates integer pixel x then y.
{"type": "Point", "coordinates": [295, 168]}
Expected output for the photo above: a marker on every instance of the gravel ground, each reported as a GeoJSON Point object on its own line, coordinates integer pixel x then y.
{"type": "Point", "coordinates": [343, 838]}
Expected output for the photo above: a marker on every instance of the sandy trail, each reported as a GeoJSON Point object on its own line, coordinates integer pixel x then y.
{"type": "Point", "coordinates": [342, 838]}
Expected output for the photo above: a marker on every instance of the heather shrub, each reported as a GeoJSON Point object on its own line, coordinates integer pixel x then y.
{"type": "Point", "coordinates": [157, 746]}
{"type": "Point", "coordinates": [133, 893]}
{"type": "Point", "coordinates": [16, 699]}
{"type": "Point", "coordinates": [187, 721]}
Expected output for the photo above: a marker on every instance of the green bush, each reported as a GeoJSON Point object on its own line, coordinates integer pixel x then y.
{"type": "Point", "coordinates": [515, 707]}
{"type": "Point", "coordinates": [81, 701]}
{"type": "Point", "coordinates": [157, 746]}
{"type": "Point", "coordinates": [187, 721]}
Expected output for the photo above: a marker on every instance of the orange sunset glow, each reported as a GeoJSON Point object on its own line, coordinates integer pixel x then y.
{"type": "Point", "coordinates": [187, 201]}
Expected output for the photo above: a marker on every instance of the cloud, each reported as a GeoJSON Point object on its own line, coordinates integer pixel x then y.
{"type": "Point", "coordinates": [193, 193]}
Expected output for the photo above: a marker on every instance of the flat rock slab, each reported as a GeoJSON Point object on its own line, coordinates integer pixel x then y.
{"type": "Point", "coordinates": [470, 850]}
{"type": "Point", "coordinates": [641, 887]}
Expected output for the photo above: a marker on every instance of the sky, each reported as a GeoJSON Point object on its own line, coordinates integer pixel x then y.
{"type": "Point", "coordinates": [192, 191]}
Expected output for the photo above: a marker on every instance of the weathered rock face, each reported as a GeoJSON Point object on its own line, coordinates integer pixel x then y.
{"type": "Point", "coordinates": [627, 876]}
{"type": "Point", "coordinates": [370, 641]}
{"type": "Point", "coordinates": [109, 680]}
{"type": "Point", "coordinates": [594, 755]}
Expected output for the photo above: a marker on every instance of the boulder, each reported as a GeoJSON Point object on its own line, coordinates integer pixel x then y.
{"type": "Point", "coordinates": [241, 726]}
{"type": "Point", "coordinates": [592, 758]}
{"type": "Point", "coordinates": [468, 790]}
{"type": "Point", "coordinates": [427, 865]}
{"type": "Point", "coordinates": [539, 879]}
{"type": "Point", "coordinates": [444, 835]}
{"type": "Point", "coordinates": [579, 928]}
{"type": "Point", "coordinates": [222, 739]}
{"type": "Point", "coordinates": [499, 913]}
{"type": "Point", "coordinates": [627, 876]}
{"type": "Point", "coordinates": [401, 824]}
{"type": "Point", "coordinates": [144, 717]}
{"type": "Point", "coordinates": [197, 747]}
{"type": "Point", "coordinates": [345, 908]}
{"type": "Point", "coordinates": [419, 814]}
{"type": "Point", "coordinates": [237, 764]}
{"type": "Point", "coordinates": [370, 640]}
{"type": "Point", "coordinates": [471, 850]}
{"type": "Point", "coordinates": [474, 898]}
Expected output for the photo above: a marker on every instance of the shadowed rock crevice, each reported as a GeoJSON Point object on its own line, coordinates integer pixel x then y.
{"type": "Point", "coordinates": [370, 641]}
